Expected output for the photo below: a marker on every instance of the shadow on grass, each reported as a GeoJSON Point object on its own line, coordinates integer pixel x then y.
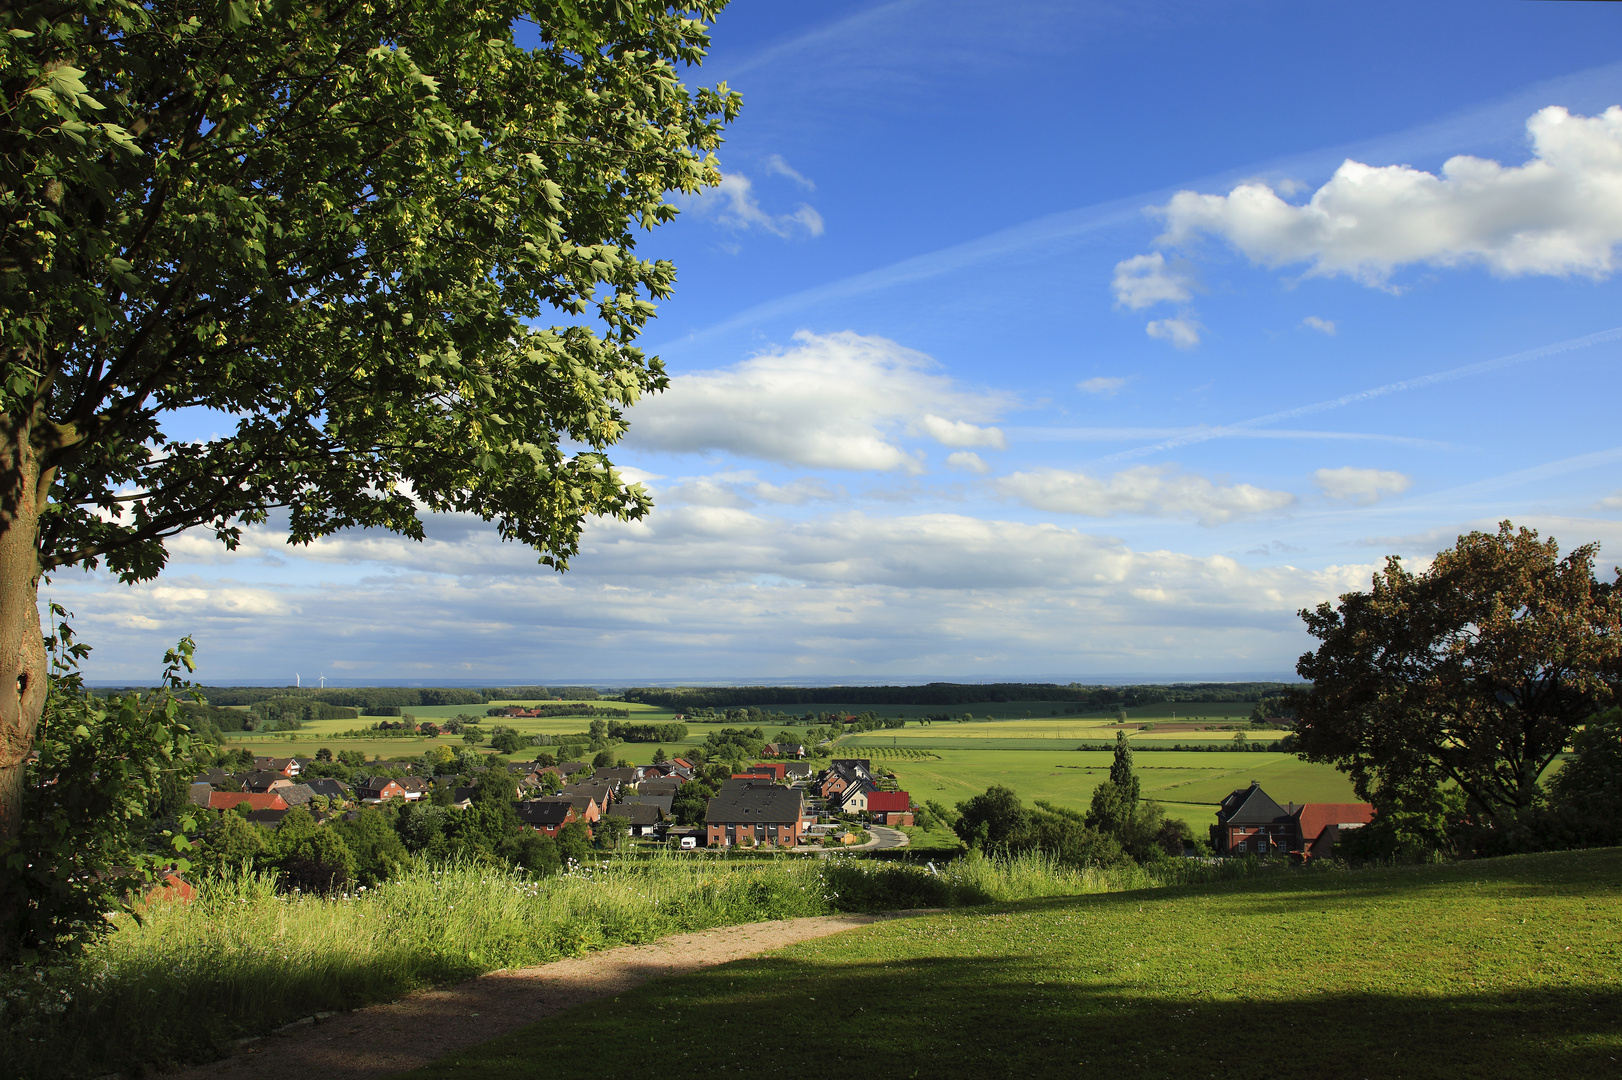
{"type": "Point", "coordinates": [985, 1016]}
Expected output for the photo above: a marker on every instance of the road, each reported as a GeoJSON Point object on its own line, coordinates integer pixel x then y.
{"type": "Point", "coordinates": [884, 838]}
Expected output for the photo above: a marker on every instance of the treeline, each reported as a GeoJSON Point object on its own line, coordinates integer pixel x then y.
{"type": "Point", "coordinates": [353, 697]}
{"type": "Point", "coordinates": [557, 710]}
{"type": "Point", "coordinates": [283, 713]}
{"type": "Point", "coordinates": [654, 733]}
{"type": "Point", "coordinates": [687, 698]}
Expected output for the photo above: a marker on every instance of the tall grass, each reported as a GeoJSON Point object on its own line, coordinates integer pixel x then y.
{"type": "Point", "coordinates": [186, 981]}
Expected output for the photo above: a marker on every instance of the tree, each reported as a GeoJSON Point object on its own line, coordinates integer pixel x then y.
{"type": "Point", "coordinates": [339, 227]}
{"type": "Point", "coordinates": [995, 821]}
{"type": "Point", "coordinates": [603, 760]}
{"type": "Point", "coordinates": [659, 755]}
{"type": "Point", "coordinates": [1474, 672]}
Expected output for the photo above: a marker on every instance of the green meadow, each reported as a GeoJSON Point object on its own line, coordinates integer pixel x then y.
{"type": "Point", "coordinates": [1502, 968]}
{"type": "Point", "coordinates": [1189, 783]}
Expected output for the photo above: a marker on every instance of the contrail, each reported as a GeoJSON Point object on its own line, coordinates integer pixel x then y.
{"type": "Point", "coordinates": [1241, 427]}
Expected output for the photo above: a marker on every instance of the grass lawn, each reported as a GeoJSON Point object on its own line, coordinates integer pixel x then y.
{"type": "Point", "coordinates": [1500, 968]}
{"type": "Point", "coordinates": [1190, 783]}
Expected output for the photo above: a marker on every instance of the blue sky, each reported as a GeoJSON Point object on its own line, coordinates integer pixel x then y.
{"type": "Point", "coordinates": [1057, 340]}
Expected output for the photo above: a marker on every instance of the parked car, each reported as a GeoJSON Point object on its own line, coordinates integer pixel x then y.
{"type": "Point", "coordinates": [689, 842]}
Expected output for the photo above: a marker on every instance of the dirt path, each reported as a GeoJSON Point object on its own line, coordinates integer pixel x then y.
{"type": "Point", "coordinates": [424, 1027]}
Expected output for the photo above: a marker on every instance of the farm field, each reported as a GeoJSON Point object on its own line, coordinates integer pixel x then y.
{"type": "Point", "coordinates": [1190, 784]}
{"type": "Point", "coordinates": [1519, 976]}
{"type": "Point", "coordinates": [1060, 729]}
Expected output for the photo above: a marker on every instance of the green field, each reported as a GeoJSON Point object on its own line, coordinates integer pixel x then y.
{"type": "Point", "coordinates": [1188, 783]}
{"type": "Point", "coordinates": [1503, 968]}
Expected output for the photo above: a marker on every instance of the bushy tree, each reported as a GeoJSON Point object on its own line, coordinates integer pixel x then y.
{"type": "Point", "coordinates": [1474, 673]}
{"type": "Point", "coordinates": [343, 228]}
{"type": "Point", "coordinates": [310, 857]}
{"type": "Point", "coordinates": [371, 837]}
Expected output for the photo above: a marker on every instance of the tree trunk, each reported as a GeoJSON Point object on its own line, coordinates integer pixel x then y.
{"type": "Point", "coordinates": [22, 646]}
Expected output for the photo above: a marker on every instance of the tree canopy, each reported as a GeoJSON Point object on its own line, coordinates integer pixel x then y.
{"type": "Point", "coordinates": [390, 249]}
{"type": "Point", "coordinates": [1475, 671]}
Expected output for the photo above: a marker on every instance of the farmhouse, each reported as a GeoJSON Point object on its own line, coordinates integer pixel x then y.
{"type": "Point", "coordinates": [753, 812]}
{"type": "Point", "coordinates": [376, 789]}
{"type": "Point", "coordinates": [287, 766]}
{"type": "Point", "coordinates": [1250, 822]}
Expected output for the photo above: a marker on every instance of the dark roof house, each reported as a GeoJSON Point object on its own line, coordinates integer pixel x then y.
{"type": "Point", "coordinates": [753, 812]}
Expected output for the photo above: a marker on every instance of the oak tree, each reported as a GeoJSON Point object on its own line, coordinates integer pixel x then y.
{"type": "Point", "coordinates": [1475, 671]}
{"type": "Point", "coordinates": [390, 248]}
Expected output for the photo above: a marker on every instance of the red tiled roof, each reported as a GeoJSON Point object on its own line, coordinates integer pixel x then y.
{"type": "Point", "coordinates": [225, 800]}
{"type": "Point", "coordinates": [1315, 817]}
{"type": "Point", "coordinates": [888, 802]}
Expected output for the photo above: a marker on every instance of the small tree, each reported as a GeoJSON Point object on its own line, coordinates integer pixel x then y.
{"type": "Point", "coordinates": [659, 755]}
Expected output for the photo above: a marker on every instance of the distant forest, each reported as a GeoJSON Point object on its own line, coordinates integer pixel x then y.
{"type": "Point", "coordinates": [371, 697]}
{"type": "Point", "coordinates": [682, 698]}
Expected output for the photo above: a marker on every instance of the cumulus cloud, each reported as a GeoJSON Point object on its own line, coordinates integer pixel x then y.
{"type": "Point", "coordinates": [1558, 214]}
{"type": "Point", "coordinates": [960, 432]}
{"type": "Point", "coordinates": [1152, 490]}
{"type": "Point", "coordinates": [1612, 501]}
{"type": "Point", "coordinates": [1145, 280]}
{"type": "Point", "coordinates": [830, 401]}
{"type": "Point", "coordinates": [1362, 486]}
{"type": "Point", "coordinates": [968, 461]}
{"type": "Point", "coordinates": [775, 165]}
{"type": "Point", "coordinates": [1323, 326]}
{"type": "Point", "coordinates": [708, 591]}
{"type": "Point", "coordinates": [740, 209]}
{"type": "Point", "coordinates": [1184, 333]}
{"type": "Point", "coordinates": [1103, 386]}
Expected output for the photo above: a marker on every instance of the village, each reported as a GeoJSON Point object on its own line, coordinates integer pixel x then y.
{"type": "Point", "coordinates": [780, 805]}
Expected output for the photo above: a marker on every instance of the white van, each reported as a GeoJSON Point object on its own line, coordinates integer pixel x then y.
{"type": "Point", "coordinates": [688, 842]}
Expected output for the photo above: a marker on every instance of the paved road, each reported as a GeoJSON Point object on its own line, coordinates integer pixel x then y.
{"type": "Point", "coordinates": [886, 838]}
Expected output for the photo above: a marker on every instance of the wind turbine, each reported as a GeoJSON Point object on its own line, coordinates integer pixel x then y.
{"type": "Point", "coordinates": [297, 683]}
{"type": "Point", "coordinates": [323, 682]}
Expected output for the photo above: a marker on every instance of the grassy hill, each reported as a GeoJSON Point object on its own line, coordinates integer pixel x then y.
{"type": "Point", "coordinates": [1501, 968]}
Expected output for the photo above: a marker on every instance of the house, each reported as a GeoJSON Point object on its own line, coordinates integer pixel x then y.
{"type": "Point", "coordinates": [1317, 826]}
{"type": "Point", "coordinates": [890, 808]}
{"type": "Point", "coordinates": [297, 794]}
{"type": "Point", "coordinates": [785, 749]}
{"type": "Point", "coordinates": [287, 766]}
{"type": "Point", "coordinates": [334, 790]}
{"type": "Point", "coordinates": [200, 791]}
{"type": "Point", "coordinates": [777, 770]}
{"type": "Point", "coordinates": [663, 802]}
{"type": "Point", "coordinates": [415, 787]}
{"type": "Point", "coordinates": [861, 765]}
{"type": "Point", "coordinates": [662, 786]}
{"type": "Point", "coordinates": [462, 797]}
{"type": "Point", "coordinates": [603, 793]}
{"type": "Point", "coordinates": [265, 780]}
{"type": "Point", "coordinates": [376, 789]}
{"type": "Point", "coordinates": [230, 800]}
{"type": "Point", "coordinates": [569, 768]}
{"type": "Point", "coordinates": [853, 800]}
{"type": "Point", "coordinates": [644, 818]}
{"type": "Point", "coordinates": [1250, 822]}
{"type": "Point", "coordinates": [212, 777]}
{"type": "Point", "coordinates": [614, 778]}
{"type": "Point", "coordinates": [546, 815]}
{"type": "Point", "coordinates": [797, 770]}
{"type": "Point", "coordinates": [586, 808]}
{"type": "Point", "coordinates": [753, 813]}
{"type": "Point", "coordinates": [268, 819]}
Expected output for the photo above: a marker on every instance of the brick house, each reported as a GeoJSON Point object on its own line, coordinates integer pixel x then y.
{"type": "Point", "coordinates": [265, 780]}
{"type": "Point", "coordinates": [758, 811]}
{"type": "Point", "coordinates": [1250, 822]}
{"type": "Point", "coordinates": [229, 800]}
{"type": "Point", "coordinates": [586, 808]}
{"type": "Point", "coordinates": [376, 789]}
{"type": "Point", "coordinates": [892, 808]}
{"type": "Point", "coordinates": [1317, 826]}
{"type": "Point", "coordinates": [287, 766]}
{"type": "Point", "coordinates": [547, 815]}
{"type": "Point", "coordinates": [414, 787]}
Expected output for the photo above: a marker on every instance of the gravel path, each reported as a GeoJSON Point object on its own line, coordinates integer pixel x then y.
{"type": "Point", "coordinates": [424, 1027]}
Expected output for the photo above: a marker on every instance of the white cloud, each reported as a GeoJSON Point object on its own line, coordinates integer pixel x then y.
{"type": "Point", "coordinates": [831, 401]}
{"type": "Point", "coordinates": [796, 492]}
{"type": "Point", "coordinates": [968, 461]}
{"type": "Point", "coordinates": [1145, 280]}
{"type": "Point", "coordinates": [1363, 486]}
{"type": "Point", "coordinates": [1103, 386]}
{"type": "Point", "coordinates": [1559, 214]}
{"type": "Point", "coordinates": [1184, 333]}
{"type": "Point", "coordinates": [707, 591]}
{"type": "Point", "coordinates": [775, 165]}
{"type": "Point", "coordinates": [741, 210]}
{"type": "Point", "coordinates": [1323, 326]}
{"type": "Point", "coordinates": [1153, 490]}
{"type": "Point", "coordinates": [1610, 502]}
{"type": "Point", "coordinates": [960, 432]}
